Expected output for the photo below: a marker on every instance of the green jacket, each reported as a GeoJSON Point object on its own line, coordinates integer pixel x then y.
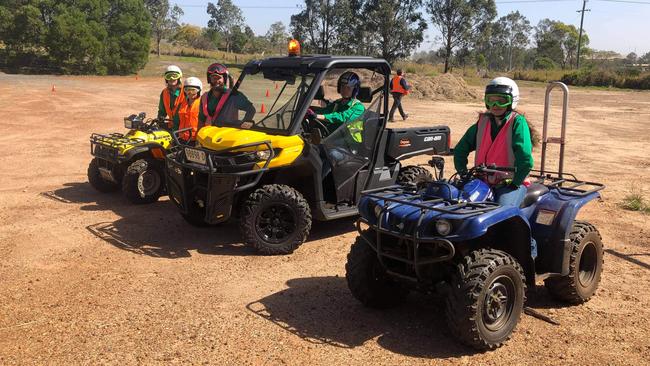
{"type": "Point", "coordinates": [522, 147]}
{"type": "Point", "coordinates": [339, 112]}
{"type": "Point", "coordinates": [162, 113]}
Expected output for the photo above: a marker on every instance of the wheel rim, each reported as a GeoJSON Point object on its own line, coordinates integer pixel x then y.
{"type": "Point", "coordinates": [276, 223]}
{"type": "Point", "coordinates": [148, 183]}
{"type": "Point", "coordinates": [588, 264]}
{"type": "Point", "coordinates": [498, 303]}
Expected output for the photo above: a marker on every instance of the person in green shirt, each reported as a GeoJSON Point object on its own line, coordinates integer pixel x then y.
{"type": "Point", "coordinates": [501, 98]}
{"type": "Point", "coordinates": [170, 102]}
{"type": "Point", "coordinates": [217, 111]}
{"type": "Point", "coordinates": [346, 109]}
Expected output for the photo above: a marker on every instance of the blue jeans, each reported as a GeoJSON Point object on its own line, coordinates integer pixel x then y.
{"type": "Point", "coordinates": [507, 196]}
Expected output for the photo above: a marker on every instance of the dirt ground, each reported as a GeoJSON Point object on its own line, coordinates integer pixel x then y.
{"type": "Point", "coordinates": [87, 278]}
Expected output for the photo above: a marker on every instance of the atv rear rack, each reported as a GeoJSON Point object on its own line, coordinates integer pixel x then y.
{"type": "Point", "coordinates": [557, 180]}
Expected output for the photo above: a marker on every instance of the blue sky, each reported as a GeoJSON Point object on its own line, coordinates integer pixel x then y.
{"type": "Point", "coordinates": [611, 25]}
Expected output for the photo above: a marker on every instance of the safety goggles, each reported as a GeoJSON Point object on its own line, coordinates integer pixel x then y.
{"type": "Point", "coordinates": [191, 91]}
{"type": "Point", "coordinates": [172, 76]}
{"type": "Point", "coordinates": [498, 100]}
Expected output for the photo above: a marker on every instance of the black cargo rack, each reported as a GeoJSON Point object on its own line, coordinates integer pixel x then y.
{"type": "Point", "coordinates": [107, 146]}
{"type": "Point", "coordinates": [556, 180]}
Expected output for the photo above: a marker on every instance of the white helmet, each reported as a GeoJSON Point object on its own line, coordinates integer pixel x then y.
{"type": "Point", "coordinates": [504, 85]}
{"type": "Point", "coordinates": [173, 72]}
{"type": "Point", "coordinates": [193, 82]}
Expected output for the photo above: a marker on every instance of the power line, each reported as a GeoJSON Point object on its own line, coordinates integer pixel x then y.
{"type": "Point", "coordinates": [626, 1]}
{"type": "Point", "coordinates": [531, 1]}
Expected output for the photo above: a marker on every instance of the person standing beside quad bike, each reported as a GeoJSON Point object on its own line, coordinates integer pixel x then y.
{"type": "Point", "coordinates": [501, 137]}
{"type": "Point", "coordinates": [219, 99]}
{"type": "Point", "coordinates": [171, 98]}
{"type": "Point", "coordinates": [189, 112]}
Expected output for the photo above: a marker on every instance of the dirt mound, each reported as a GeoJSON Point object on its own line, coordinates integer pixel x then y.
{"type": "Point", "coordinates": [440, 87]}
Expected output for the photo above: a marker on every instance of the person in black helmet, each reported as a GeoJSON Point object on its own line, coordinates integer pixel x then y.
{"type": "Point", "coordinates": [346, 109]}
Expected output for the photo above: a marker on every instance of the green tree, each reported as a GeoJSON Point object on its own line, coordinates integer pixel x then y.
{"type": "Point", "coordinates": [511, 36]}
{"type": "Point", "coordinates": [645, 59]}
{"type": "Point", "coordinates": [460, 22]}
{"type": "Point", "coordinates": [277, 37]}
{"type": "Point", "coordinates": [558, 41]}
{"type": "Point", "coordinates": [127, 44]}
{"type": "Point", "coordinates": [396, 27]}
{"type": "Point", "coordinates": [164, 19]}
{"type": "Point", "coordinates": [317, 25]}
{"type": "Point", "coordinates": [226, 18]}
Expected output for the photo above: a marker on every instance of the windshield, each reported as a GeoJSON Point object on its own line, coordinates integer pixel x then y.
{"type": "Point", "coordinates": [261, 103]}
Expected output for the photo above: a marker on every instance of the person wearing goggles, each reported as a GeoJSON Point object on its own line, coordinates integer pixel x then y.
{"type": "Point", "coordinates": [189, 112]}
{"type": "Point", "coordinates": [171, 98]}
{"type": "Point", "coordinates": [219, 106]}
{"type": "Point", "coordinates": [501, 136]}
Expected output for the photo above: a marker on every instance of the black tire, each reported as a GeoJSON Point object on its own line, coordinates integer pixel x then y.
{"type": "Point", "coordinates": [97, 181]}
{"type": "Point", "coordinates": [275, 219]}
{"type": "Point", "coordinates": [485, 274]}
{"type": "Point", "coordinates": [585, 266]}
{"type": "Point", "coordinates": [414, 176]}
{"type": "Point", "coordinates": [195, 216]}
{"type": "Point", "coordinates": [143, 182]}
{"type": "Point", "coordinates": [367, 279]}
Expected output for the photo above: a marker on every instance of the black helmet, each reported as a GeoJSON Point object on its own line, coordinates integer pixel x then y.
{"type": "Point", "coordinates": [350, 79]}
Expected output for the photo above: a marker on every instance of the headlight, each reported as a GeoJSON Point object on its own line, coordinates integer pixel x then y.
{"type": "Point", "coordinates": [377, 211]}
{"type": "Point", "coordinates": [263, 154]}
{"type": "Point", "coordinates": [443, 227]}
{"type": "Point", "coordinates": [128, 123]}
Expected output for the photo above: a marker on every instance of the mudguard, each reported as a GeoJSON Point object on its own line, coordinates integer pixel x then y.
{"type": "Point", "coordinates": [551, 222]}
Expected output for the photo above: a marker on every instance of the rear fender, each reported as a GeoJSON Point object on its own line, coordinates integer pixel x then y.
{"type": "Point", "coordinates": [551, 224]}
{"type": "Point", "coordinates": [150, 150]}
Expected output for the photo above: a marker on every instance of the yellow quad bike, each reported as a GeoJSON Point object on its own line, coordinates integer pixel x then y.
{"type": "Point", "coordinates": [275, 167]}
{"type": "Point", "coordinates": [133, 161]}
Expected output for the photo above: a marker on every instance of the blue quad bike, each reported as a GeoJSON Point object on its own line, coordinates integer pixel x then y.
{"type": "Point", "coordinates": [448, 236]}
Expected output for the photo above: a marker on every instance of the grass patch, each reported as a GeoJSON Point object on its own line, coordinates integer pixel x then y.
{"type": "Point", "coordinates": [636, 202]}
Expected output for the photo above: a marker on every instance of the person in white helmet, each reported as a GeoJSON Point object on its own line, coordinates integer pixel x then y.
{"type": "Point", "coordinates": [189, 112]}
{"type": "Point", "coordinates": [171, 99]}
{"type": "Point", "coordinates": [501, 136]}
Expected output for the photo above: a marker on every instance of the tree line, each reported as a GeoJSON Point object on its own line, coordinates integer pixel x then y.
{"type": "Point", "coordinates": [115, 36]}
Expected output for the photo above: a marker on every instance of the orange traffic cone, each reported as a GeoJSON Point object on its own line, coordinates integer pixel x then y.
{"type": "Point", "coordinates": [136, 76]}
{"type": "Point", "coordinates": [53, 88]}
{"type": "Point", "coordinates": [263, 109]}
{"type": "Point", "coordinates": [267, 93]}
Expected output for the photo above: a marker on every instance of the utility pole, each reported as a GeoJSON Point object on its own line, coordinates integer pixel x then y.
{"type": "Point", "coordinates": [582, 18]}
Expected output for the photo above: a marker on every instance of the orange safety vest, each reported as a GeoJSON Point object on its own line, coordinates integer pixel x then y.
{"type": "Point", "coordinates": [177, 104]}
{"type": "Point", "coordinates": [396, 86]}
{"type": "Point", "coordinates": [498, 152]}
{"type": "Point", "coordinates": [189, 117]}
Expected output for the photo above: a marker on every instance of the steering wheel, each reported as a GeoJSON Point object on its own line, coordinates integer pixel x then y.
{"type": "Point", "coordinates": [310, 122]}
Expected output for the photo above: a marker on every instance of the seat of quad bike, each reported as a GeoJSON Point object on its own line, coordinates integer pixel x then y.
{"type": "Point", "coordinates": [533, 193]}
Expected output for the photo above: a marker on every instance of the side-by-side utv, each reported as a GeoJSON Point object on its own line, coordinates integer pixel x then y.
{"type": "Point", "coordinates": [282, 168]}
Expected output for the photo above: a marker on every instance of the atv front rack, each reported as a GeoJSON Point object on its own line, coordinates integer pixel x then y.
{"type": "Point", "coordinates": [566, 183]}
{"type": "Point", "coordinates": [108, 146]}
{"type": "Point", "coordinates": [224, 173]}
{"type": "Point", "coordinates": [418, 250]}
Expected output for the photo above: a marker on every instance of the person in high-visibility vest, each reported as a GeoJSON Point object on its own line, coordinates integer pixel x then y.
{"type": "Point", "coordinates": [347, 108]}
{"type": "Point", "coordinates": [501, 136]}
{"type": "Point", "coordinates": [189, 113]}
{"type": "Point", "coordinates": [398, 88]}
{"type": "Point", "coordinates": [171, 98]}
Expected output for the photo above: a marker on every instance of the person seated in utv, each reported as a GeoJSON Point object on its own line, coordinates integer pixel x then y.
{"type": "Point", "coordinates": [220, 106]}
{"type": "Point", "coordinates": [171, 97]}
{"type": "Point", "coordinates": [345, 109]}
{"type": "Point", "coordinates": [500, 137]}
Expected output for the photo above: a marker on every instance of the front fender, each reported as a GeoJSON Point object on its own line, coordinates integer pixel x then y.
{"type": "Point", "coordinates": [152, 149]}
{"type": "Point", "coordinates": [477, 226]}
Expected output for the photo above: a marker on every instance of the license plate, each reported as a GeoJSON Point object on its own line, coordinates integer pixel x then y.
{"type": "Point", "coordinates": [195, 156]}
